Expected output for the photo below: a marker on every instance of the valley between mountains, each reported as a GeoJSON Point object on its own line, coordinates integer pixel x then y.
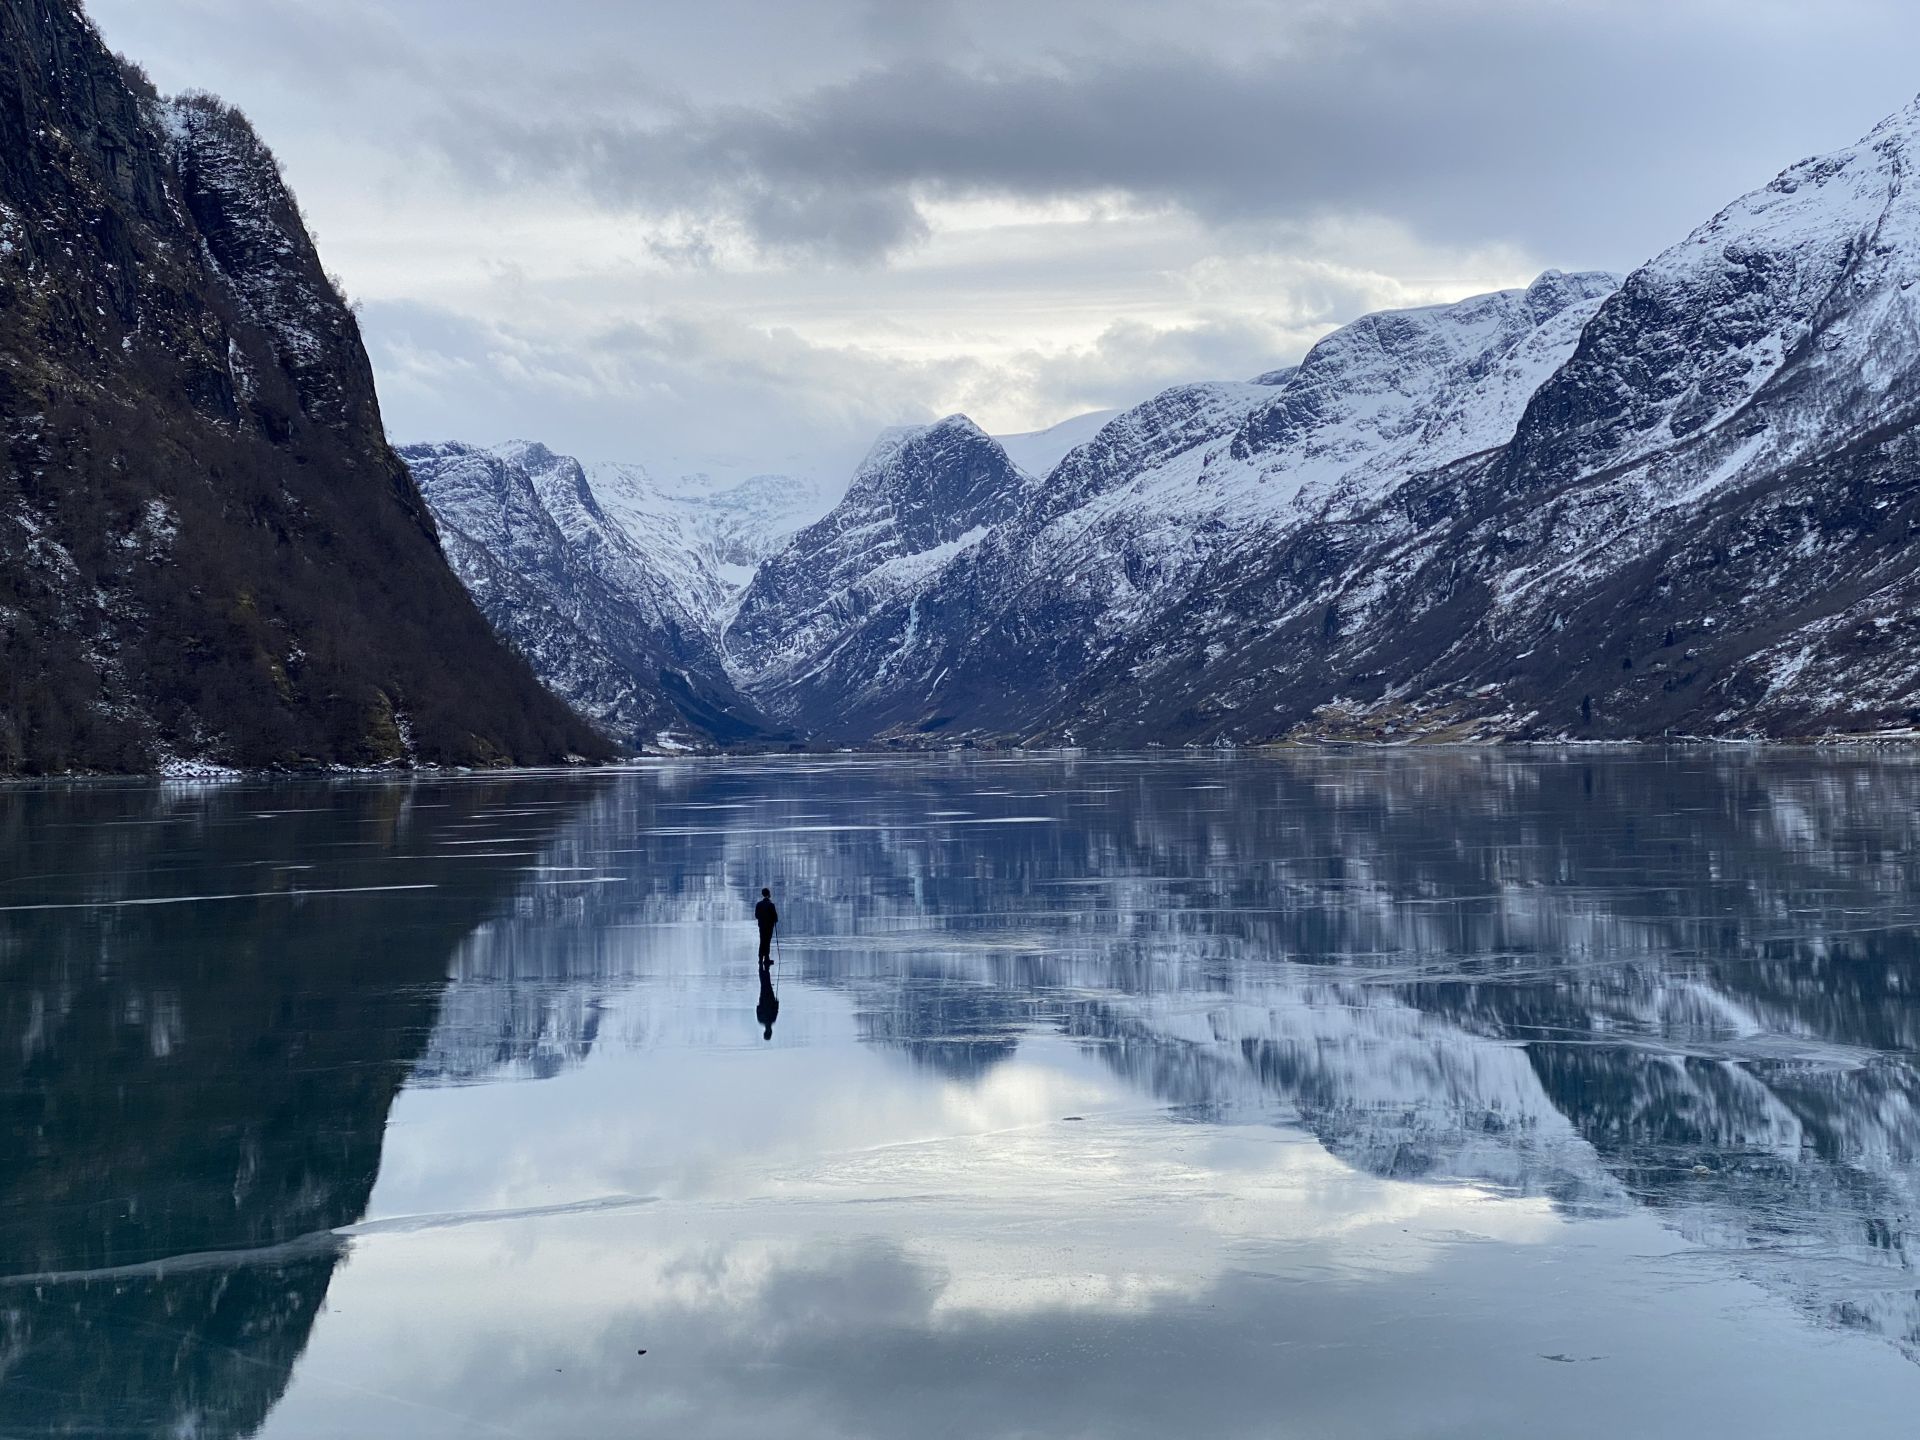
{"type": "Point", "coordinates": [1679, 502]}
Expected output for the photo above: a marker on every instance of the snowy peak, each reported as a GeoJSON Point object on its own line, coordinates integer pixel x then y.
{"type": "Point", "coordinates": [490, 500]}
{"type": "Point", "coordinates": [541, 463]}
{"type": "Point", "coordinates": [923, 496]}
{"type": "Point", "coordinates": [920, 488]}
{"type": "Point", "coordinates": [1374, 383]}
{"type": "Point", "coordinates": [932, 482]}
{"type": "Point", "coordinates": [1173, 423]}
{"type": "Point", "coordinates": [727, 525]}
{"type": "Point", "coordinates": [1555, 291]}
{"type": "Point", "coordinates": [1390, 396]}
{"type": "Point", "coordinates": [750, 520]}
{"type": "Point", "coordinates": [1801, 291]}
{"type": "Point", "coordinates": [1037, 452]}
{"type": "Point", "coordinates": [623, 626]}
{"type": "Point", "coordinates": [562, 486]}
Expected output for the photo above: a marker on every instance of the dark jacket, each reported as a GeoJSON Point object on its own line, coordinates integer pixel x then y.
{"type": "Point", "coordinates": [766, 915]}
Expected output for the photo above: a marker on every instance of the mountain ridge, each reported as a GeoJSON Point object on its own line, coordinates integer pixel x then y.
{"type": "Point", "coordinates": [1588, 508]}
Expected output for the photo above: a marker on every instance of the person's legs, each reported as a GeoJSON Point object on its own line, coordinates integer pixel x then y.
{"type": "Point", "coordinates": [766, 943]}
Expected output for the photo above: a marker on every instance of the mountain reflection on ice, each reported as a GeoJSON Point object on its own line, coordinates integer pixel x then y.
{"type": "Point", "coordinates": [1200, 1080]}
{"type": "Point", "coordinates": [185, 1079]}
{"type": "Point", "coordinates": [1685, 983]}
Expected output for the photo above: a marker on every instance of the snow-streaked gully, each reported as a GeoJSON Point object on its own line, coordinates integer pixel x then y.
{"type": "Point", "coordinates": [1381, 1093]}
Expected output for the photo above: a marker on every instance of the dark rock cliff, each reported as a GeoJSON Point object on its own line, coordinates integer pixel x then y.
{"type": "Point", "coordinates": [209, 551]}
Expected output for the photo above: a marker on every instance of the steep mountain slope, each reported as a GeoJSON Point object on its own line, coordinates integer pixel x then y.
{"type": "Point", "coordinates": [805, 636]}
{"type": "Point", "coordinates": [1130, 529]}
{"type": "Point", "coordinates": [1587, 508]}
{"type": "Point", "coordinates": [1706, 521]}
{"type": "Point", "coordinates": [629, 640]}
{"type": "Point", "coordinates": [1689, 506]}
{"type": "Point", "coordinates": [209, 551]}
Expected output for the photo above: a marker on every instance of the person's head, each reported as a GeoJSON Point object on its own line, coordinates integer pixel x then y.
{"type": "Point", "coordinates": [766, 894]}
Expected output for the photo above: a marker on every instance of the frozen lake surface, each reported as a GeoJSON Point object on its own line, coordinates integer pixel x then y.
{"type": "Point", "coordinates": [1381, 1094]}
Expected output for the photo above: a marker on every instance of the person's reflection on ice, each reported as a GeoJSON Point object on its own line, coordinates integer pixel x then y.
{"type": "Point", "coordinates": [768, 1010]}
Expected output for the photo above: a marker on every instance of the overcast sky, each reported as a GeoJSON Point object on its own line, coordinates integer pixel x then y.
{"type": "Point", "coordinates": [750, 233]}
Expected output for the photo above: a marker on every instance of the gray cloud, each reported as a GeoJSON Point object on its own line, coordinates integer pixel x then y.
{"type": "Point", "coordinates": [784, 405]}
{"type": "Point", "coordinates": [562, 215]}
{"type": "Point", "coordinates": [676, 390]}
{"type": "Point", "coordinates": [1542, 126]}
{"type": "Point", "coordinates": [1131, 358]}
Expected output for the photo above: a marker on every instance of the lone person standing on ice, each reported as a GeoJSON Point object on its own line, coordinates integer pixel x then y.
{"type": "Point", "coordinates": [768, 917]}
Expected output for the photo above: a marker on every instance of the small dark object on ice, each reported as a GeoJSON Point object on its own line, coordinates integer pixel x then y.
{"type": "Point", "coordinates": [1065, 1118]}
{"type": "Point", "coordinates": [1572, 1359]}
{"type": "Point", "coordinates": [766, 917]}
{"type": "Point", "coordinates": [639, 1352]}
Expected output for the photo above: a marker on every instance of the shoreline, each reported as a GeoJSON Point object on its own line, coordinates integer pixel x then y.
{"type": "Point", "coordinates": [209, 773]}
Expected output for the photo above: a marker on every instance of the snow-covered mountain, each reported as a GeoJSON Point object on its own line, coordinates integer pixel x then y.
{"type": "Point", "coordinates": [1590, 508]}
{"type": "Point", "coordinates": [1037, 452]}
{"type": "Point", "coordinates": [1129, 529]}
{"type": "Point", "coordinates": [1705, 519]}
{"type": "Point", "coordinates": [922, 498]}
{"type": "Point", "coordinates": [621, 619]}
{"type": "Point", "coordinates": [1560, 511]}
{"type": "Point", "coordinates": [710, 534]}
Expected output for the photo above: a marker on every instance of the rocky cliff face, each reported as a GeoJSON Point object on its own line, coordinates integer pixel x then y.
{"type": "Point", "coordinates": [210, 552]}
{"type": "Point", "coordinates": [1705, 521]}
{"type": "Point", "coordinates": [823, 617]}
{"type": "Point", "coordinates": [565, 582]}
{"type": "Point", "coordinates": [1680, 504]}
{"type": "Point", "coordinates": [1133, 530]}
